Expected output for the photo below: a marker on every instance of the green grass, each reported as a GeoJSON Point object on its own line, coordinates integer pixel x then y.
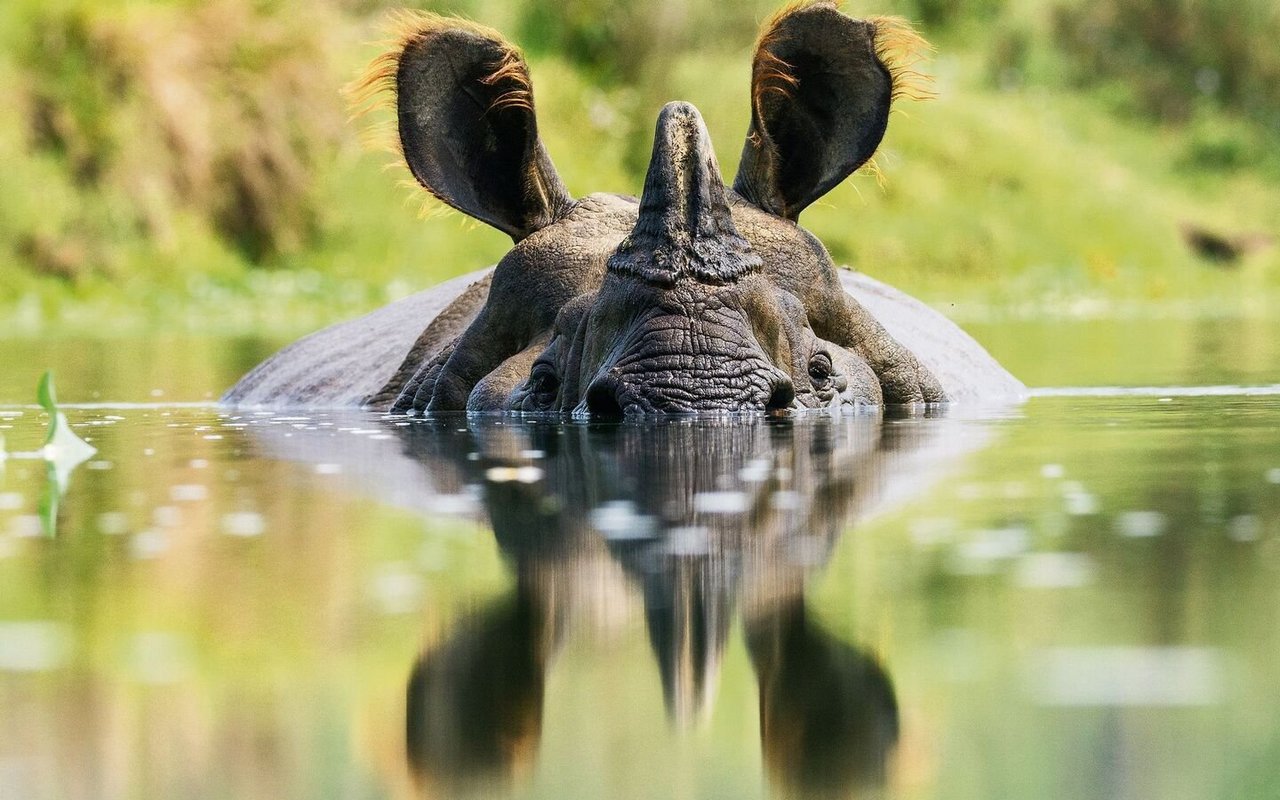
{"type": "Point", "coordinates": [1031, 201]}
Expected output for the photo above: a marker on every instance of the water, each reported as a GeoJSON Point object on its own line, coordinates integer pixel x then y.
{"type": "Point", "coordinates": [1076, 598]}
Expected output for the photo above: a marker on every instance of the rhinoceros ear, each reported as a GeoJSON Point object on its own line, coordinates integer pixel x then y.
{"type": "Point", "coordinates": [467, 128]}
{"type": "Point", "coordinates": [821, 87]}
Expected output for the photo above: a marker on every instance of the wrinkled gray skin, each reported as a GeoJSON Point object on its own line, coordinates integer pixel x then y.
{"type": "Point", "coordinates": [695, 299]}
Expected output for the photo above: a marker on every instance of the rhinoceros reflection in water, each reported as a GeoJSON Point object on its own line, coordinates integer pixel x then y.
{"type": "Point", "coordinates": [706, 522]}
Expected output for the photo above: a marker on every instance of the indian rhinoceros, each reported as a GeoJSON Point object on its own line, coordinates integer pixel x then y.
{"type": "Point", "coordinates": [694, 298]}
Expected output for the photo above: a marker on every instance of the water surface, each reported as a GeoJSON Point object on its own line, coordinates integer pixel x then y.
{"type": "Point", "coordinates": [1076, 598]}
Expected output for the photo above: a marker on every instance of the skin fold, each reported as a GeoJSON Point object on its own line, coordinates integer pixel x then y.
{"type": "Point", "coordinates": [696, 298]}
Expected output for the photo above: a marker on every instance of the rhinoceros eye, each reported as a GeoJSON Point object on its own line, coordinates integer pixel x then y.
{"type": "Point", "coordinates": [544, 385]}
{"type": "Point", "coordinates": [820, 370]}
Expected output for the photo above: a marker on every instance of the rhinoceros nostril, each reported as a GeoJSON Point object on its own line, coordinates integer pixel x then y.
{"type": "Point", "coordinates": [784, 394]}
{"type": "Point", "coordinates": [602, 400]}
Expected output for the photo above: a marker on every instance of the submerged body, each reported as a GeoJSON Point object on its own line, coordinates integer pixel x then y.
{"type": "Point", "coordinates": [696, 298]}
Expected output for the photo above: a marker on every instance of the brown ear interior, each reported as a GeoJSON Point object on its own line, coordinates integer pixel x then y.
{"type": "Point", "coordinates": [466, 121]}
{"type": "Point", "coordinates": [822, 85]}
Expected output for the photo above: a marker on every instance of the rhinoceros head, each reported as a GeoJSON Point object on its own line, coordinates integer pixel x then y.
{"type": "Point", "coordinates": [697, 297]}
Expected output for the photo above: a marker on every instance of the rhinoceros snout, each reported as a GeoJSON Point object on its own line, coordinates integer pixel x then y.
{"type": "Point", "coordinates": [612, 397]}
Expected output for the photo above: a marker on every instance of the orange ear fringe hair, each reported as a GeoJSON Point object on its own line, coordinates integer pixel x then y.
{"type": "Point", "coordinates": [897, 44]}
{"type": "Point", "coordinates": [374, 91]}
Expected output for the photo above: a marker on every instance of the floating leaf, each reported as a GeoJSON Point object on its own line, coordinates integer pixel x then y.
{"type": "Point", "coordinates": [63, 451]}
{"type": "Point", "coordinates": [48, 400]}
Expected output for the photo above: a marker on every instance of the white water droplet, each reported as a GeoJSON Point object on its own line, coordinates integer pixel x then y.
{"type": "Point", "coordinates": [159, 657]}
{"type": "Point", "coordinates": [618, 520]}
{"type": "Point", "coordinates": [1140, 524]}
{"type": "Point", "coordinates": [978, 555]}
{"type": "Point", "coordinates": [754, 471]}
{"type": "Point", "coordinates": [112, 523]}
{"type": "Point", "coordinates": [244, 524]}
{"type": "Point", "coordinates": [26, 526]}
{"type": "Point", "coordinates": [148, 544]}
{"type": "Point", "coordinates": [1245, 528]}
{"type": "Point", "coordinates": [690, 541]}
{"type": "Point", "coordinates": [721, 502]}
{"type": "Point", "coordinates": [1151, 677]}
{"type": "Point", "coordinates": [514, 474]}
{"type": "Point", "coordinates": [188, 493]}
{"type": "Point", "coordinates": [1079, 502]}
{"type": "Point", "coordinates": [34, 646]}
{"type": "Point", "coordinates": [452, 504]}
{"type": "Point", "coordinates": [167, 516]}
{"type": "Point", "coordinates": [1055, 570]}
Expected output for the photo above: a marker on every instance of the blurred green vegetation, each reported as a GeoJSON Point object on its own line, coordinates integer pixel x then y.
{"type": "Point", "coordinates": [175, 164]}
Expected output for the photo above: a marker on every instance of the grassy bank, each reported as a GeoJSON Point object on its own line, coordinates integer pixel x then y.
{"type": "Point", "coordinates": [156, 179]}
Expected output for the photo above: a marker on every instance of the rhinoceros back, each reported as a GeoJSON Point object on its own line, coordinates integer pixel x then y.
{"type": "Point", "coordinates": [967, 372]}
{"type": "Point", "coordinates": [339, 366]}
